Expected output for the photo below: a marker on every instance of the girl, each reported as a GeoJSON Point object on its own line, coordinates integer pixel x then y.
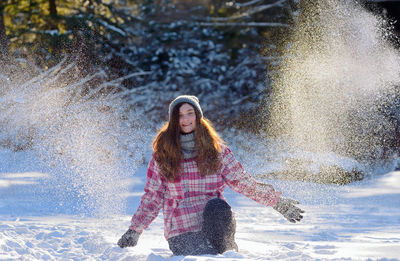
{"type": "Point", "coordinates": [187, 174]}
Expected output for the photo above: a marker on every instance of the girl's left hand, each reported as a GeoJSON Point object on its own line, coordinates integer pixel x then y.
{"type": "Point", "coordinates": [286, 207]}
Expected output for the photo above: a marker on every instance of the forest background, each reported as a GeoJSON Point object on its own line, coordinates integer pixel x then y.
{"type": "Point", "coordinates": [228, 53]}
{"type": "Point", "coordinates": [217, 50]}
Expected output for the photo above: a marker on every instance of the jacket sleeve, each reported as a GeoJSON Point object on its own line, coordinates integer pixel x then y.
{"type": "Point", "coordinates": [151, 201]}
{"type": "Point", "coordinates": [242, 182]}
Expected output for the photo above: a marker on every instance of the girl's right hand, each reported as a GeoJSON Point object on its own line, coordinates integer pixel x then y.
{"type": "Point", "coordinates": [129, 239]}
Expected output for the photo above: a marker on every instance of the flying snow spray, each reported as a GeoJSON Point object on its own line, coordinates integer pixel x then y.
{"type": "Point", "coordinates": [81, 130]}
{"type": "Point", "coordinates": [335, 90]}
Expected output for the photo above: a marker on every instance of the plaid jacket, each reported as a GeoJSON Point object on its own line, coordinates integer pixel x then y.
{"type": "Point", "coordinates": [183, 200]}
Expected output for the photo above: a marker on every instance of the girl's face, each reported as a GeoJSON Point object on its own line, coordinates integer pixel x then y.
{"type": "Point", "coordinates": [187, 118]}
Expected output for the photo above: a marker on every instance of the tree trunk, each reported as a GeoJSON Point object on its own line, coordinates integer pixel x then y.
{"type": "Point", "coordinates": [3, 35]}
{"type": "Point", "coordinates": [52, 8]}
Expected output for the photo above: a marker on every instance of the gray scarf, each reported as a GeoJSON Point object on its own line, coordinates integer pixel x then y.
{"type": "Point", "coordinates": [188, 145]}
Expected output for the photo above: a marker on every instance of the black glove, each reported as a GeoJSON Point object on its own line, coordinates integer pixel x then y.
{"type": "Point", "coordinates": [129, 239]}
{"type": "Point", "coordinates": [286, 207]}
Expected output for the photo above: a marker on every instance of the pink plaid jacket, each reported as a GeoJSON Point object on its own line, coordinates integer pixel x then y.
{"type": "Point", "coordinates": [183, 200]}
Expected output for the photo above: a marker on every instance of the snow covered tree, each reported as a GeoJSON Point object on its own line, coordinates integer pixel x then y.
{"type": "Point", "coordinates": [210, 48]}
{"type": "Point", "coordinates": [193, 47]}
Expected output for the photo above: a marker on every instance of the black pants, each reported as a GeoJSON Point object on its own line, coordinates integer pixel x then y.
{"type": "Point", "coordinates": [217, 234]}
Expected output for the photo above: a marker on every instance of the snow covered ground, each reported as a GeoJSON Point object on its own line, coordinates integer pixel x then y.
{"type": "Point", "coordinates": [360, 221]}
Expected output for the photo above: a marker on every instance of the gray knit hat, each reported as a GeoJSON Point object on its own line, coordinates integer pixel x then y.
{"type": "Point", "coordinates": [192, 100]}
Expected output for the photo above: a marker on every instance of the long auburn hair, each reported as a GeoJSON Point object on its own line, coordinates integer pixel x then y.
{"type": "Point", "coordinates": [167, 146]}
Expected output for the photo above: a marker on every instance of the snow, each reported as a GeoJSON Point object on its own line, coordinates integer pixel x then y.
{"type": "Point", "coordinates": [360, 221]}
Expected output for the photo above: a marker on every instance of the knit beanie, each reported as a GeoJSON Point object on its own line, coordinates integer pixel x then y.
{"type": "Point", "coordinates": [192, 100]}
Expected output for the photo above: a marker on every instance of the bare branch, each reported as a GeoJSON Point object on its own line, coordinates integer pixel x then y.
{"type": "Point", "coordinates": [250, 12]}
{"type": "Point", "coordinates": [119, 80]}
{"type": "Point", "coordinates": [249, 24]}
{"type": "Point", "coordinates": [239, 5]}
